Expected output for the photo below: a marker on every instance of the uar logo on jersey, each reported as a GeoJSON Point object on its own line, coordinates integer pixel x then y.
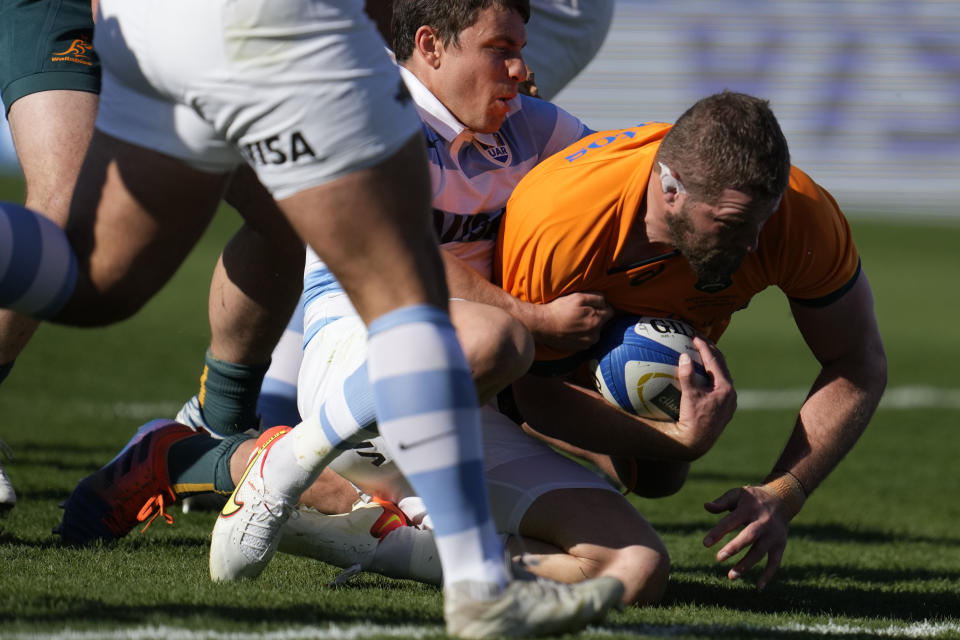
{"type": "Point", "coordinates": [498, 153]}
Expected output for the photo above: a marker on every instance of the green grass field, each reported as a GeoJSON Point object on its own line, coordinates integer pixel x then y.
{"type": "Point", "coordinates": [876, 551]}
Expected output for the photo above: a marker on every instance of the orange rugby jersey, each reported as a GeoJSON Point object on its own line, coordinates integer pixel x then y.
{"type": "Point", "coordinates": [567, 221]}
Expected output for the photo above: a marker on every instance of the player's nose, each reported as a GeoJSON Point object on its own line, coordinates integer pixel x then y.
{"type": "Point", "coordinates": [517, 68]}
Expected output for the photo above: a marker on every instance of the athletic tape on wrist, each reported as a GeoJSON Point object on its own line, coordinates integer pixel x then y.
{"type": "Point", "coordinates": [788, 489]}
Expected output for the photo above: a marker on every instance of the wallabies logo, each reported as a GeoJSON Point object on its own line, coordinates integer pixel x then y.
{"type": "Point", "coordinates": [80, 51]}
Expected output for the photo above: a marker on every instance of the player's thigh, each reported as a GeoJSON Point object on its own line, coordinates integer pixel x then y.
{"type": "Point", "coordinates": [135, 216]}
{"type": "Point", "coordinates": [153, 175]}
{"type": "Point", "coordinates": [520, 470]}
{"type": "Point", "coordinates": [307, 95]}
{"type": "Point", "coordinates": [590, 523]}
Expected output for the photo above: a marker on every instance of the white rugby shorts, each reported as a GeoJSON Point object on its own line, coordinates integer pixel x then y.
{"type": "Point", "coordinates": [302, 90]}
{"type": "Point", "coordinates": [518, 468]}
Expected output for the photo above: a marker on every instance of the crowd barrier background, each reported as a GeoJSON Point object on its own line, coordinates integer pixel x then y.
{"type": "Point", "coordinates": [868, 92]}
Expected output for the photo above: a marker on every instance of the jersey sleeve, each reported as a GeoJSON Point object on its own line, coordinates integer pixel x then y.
{"type": "Point", "coordinates": [814, 258]}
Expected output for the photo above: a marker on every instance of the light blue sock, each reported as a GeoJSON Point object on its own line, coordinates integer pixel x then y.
{"type": "Point", "coordinates": [427, 411]}
{"type": "Point", "coordinates": [38, 269]}
{"type": "Point", "coordinates": [345, 420]}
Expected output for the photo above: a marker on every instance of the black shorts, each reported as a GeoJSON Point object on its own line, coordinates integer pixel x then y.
{"type": "Point", "coordinates": [46, 45]}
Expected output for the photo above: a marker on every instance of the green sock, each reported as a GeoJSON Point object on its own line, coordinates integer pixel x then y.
{"type": "Point", "coordinates": [229, 394]}
{"type": "Point", "coordinates": [201, 464]}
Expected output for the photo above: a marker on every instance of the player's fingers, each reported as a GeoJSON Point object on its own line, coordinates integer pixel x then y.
{"type": "Point", "coordinates": [754, 556]}
{"type": "Point", "coordinates": [726, 502]}
{"type": "Point", "coordinates": [746, 538]}
{"type": "Point", "coordinates": [685, 372]}
{"type": "Point", "coordinates": [713, 361]}
{"type": "Point", "coordinates": [722, 528]}
{"type": "Point", "coordinates": [773, 563]}
{"type": "Point", "coordinates": [596, 300]}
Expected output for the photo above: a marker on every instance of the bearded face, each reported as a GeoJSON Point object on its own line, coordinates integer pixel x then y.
{"type": "Point", "coordinates": [712, 259]}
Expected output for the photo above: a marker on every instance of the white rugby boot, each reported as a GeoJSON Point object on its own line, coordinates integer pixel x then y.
{"type": "Point", "coordinates": [527, 607]}
{"type": "Point", "coordinates": [247, 531]}
{"type": "Point", "coordinates": [8, 497]}
{"type": "Point", "coordinates": [375, 536]}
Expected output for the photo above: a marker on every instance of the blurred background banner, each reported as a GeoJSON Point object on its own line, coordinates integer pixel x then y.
{"type": "Point", "coordinates": [868, 92]}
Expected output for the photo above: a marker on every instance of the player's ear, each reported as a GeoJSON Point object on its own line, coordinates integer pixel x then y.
{"type": "Point", "coordinates": [669, 181]}
{"type": "Point", "coordinates": [428, 45]}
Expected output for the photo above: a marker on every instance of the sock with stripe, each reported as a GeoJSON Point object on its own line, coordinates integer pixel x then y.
{"type": "Point", "coordinates": [38, 268]}
{"type": "Point", "coordinates": [342, 422]}
{"type": "Point", "coordinates": [417, 385]}
{"type": "Point", "coordinates": [228, 395]}
{"type": "Point", "coordinates": [201, 464]}
{"type": "Point", "coordinates": [427, 411]}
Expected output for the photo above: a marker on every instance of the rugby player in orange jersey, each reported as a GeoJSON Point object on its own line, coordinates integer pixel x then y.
{"type": "Point", "coordinates": [691, 221]}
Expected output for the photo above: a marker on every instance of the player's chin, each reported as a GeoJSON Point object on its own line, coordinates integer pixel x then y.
{"type": "Point", "coordinates": [497, 113]}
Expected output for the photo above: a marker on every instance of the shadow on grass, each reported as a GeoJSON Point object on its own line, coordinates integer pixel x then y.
{"type": "Point", "coordinates": [821, 533]}
{"type": "Point", "coordinates": [240, 614]}
{"type": "Point", "coordinates": [746, 631]}
{"type": "Point", "coordinates": [826, 590]}
{"type": "Point", "coordinates": [131, 542]}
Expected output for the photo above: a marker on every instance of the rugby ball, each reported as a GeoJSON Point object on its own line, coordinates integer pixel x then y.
{"type": "Point", "coordinates": [634, 364]}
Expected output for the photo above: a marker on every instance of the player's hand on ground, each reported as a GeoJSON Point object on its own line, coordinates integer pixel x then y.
{"type": "Point", "coordinates": [765, 521]}
{"type": "Point", "coordinates": [705, 409]}
{"type": "Point", "coordinates": [572, 322]}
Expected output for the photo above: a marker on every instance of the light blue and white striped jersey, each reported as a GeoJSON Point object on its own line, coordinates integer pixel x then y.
{"type": "Point", "coordinates": [472, 176]}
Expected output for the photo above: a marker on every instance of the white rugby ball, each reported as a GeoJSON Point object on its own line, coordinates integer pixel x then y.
{"type": "Point", "coordinates": [635, 364]}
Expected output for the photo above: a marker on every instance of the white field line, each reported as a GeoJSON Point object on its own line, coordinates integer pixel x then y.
{"type": "Point", "coordinates": [331, 632]}
{"type": "Point", "coordinates": [922, 629]}
{"type": "Point", "coordinates": [906, 397]}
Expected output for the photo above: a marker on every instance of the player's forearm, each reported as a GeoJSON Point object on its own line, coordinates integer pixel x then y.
{"type": "Point", "coordinates": [464, 282]}
{"type": "Point", "coordinates": [836, 413]}
{"type": "Point", "coordinates": [567, 413]}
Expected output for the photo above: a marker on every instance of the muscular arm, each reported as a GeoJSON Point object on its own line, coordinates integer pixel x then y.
{"type": "Point", "coordinates": [844, 338]}
{"type": "Point", "coordinates": [565, 412]}
{"type": "Point", "coordinates": [580, 421]}
{"type": "Point", "coordinates": [569, 323]}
